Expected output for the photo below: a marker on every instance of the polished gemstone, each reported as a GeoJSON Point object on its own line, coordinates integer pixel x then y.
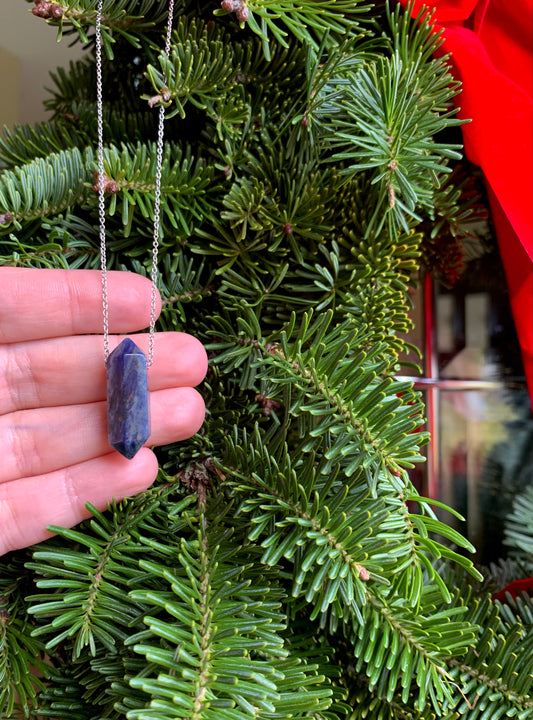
{"type": "Point", "coordinates": [128, 413]}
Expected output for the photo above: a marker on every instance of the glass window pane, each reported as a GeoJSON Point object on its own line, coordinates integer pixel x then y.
{"type": "Point", "coordinates": [485, 459]}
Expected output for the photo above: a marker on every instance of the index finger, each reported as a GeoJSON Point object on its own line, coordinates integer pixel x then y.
{"type": "Point", "coordinates": [37, 304]}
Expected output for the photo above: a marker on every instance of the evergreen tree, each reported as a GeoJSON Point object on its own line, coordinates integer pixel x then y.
{"type": "Point", "coordinates": [283, 565]}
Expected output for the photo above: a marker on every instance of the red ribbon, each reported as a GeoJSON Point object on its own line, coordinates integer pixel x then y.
{"type": "Point", "coordinates": [491, 48]}
{"type": "Point", "coordinates": [515, 588]}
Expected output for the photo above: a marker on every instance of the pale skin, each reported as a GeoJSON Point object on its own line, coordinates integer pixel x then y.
{"type": "Point", "coordinates": [54, 453]}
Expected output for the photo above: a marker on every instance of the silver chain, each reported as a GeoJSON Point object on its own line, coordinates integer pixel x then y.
{"type": "Point", "coordinates": [101, 202]}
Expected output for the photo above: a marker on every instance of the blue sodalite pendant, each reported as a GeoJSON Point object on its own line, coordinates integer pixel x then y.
{"type": "Point", "coordinates": [128, 413]}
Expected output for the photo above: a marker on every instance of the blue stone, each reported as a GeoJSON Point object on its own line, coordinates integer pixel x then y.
{"type": "Point", "coordinates": [128, 412]}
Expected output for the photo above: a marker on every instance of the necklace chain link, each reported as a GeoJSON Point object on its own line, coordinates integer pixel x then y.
{"type": "Point", "coordinates": [101, 201]}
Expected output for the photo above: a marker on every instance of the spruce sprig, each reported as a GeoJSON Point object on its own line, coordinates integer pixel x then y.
{"type": "Point", "coordinates": [308, 21]}
{"type": "Point", "coordinates": [215, 640]}
{"type": "Point", "coordinates": [519, 529]}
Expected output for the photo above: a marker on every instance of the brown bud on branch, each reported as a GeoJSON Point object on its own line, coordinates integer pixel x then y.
{"type": "Point", "coordinates": [48, 10]}
{"type": "Point", "coordinates": [362, 572]}
{"type": "Point", "coordinates": [163, 97]}
{"type": "Point", "coordinates": [110, 185]}
{"type": "Point", "coordinates": [242, 13]}
{"type": "Point", "coordinates": [268, 404]}
{"type": "Point", "coordinates": [287, 228]}
{"type": "Point", "coordinates": [238, 7]}
{"type": "Point", "coordinates": [6, 218]}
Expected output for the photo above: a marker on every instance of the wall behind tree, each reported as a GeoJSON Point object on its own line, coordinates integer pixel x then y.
{"type": "Point", "coordinates": [9, 88]}
{"type": "Point", "coordinates": [28, 52]}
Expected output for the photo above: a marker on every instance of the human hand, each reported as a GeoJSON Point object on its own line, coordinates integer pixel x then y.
{"type": "Point", "coordinates": [55, 456]}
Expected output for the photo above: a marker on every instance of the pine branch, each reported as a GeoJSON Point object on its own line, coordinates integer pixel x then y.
{"type": "Point", "coordinates": [24, 143]}
{"type": "Point", "coordinates": [62, 699]}
{"type": "Point", "coordinates": [23, 671]}
{"type": "Point", "coordinates": [184, 185]}
{"type": "Point", "coordinates": [341, 387]}
{"type": "Point", "coordinates": [129, 19]}
{"type": "Point", "coordinates": [487, 691]}
{"type": "Point", "coordinates": [475, 681]}
{"type": "Point", "coordinates": [307, 20]}
{"type": "Point", "coordinates": [90, 581]}
{"type": "Point", "coordinates": [47, 187]}
{"type": "Point", "coordinates": [519, 529]}
{"type": "Point", "coordinates": [343, 546]}
{"type": "Point", "coordinates": [182, 76]}
{"type": "Point", "coordinates": [224, 657]}
{"type": "Point", "coordinates": [386, 119]}
{"type": "Point", "coordinates": [42, 187]}
{"type": "Point", "coordinates": [187, 284]}
{"type": "Point", "coordinates": [71, 88]}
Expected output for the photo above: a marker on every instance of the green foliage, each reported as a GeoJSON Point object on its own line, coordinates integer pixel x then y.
{"type": "Point", "coordinates": [343, 398]}
{"type": "Point", "coordinates": [22, 670]}
{"type": "Point", "coordinates": [519, 529]}
{"type": "Point", "coordinates": [127, 19]}
{"type": "Point", "coordinates": [495, 676]}
{"type": "Point", "coordinates": [386, 119]}
{"type": "Point", "coordinates": [184, 185]}
{"type": "Point", "coordinates": [26, 142]}
{"type": "Point", "coordinates": [306, 21]}
{"type": "Point", "coordinates": [42, 187]}
{"type": "Point", "coordinates": [234, 663]}
{"type": "Point", "coordinates": [195, 46]}
{"type": "Point", "coordinates": [283, 565]}
{"type": "Point", "coordinates": [92, 582]}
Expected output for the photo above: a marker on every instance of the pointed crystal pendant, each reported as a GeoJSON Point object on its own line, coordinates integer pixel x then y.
{"type": "Point", "coordinates": [128, 415]}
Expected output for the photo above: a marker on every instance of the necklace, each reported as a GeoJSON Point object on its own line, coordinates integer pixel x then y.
{"type": "Point", "coordinates": [128, 416]}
